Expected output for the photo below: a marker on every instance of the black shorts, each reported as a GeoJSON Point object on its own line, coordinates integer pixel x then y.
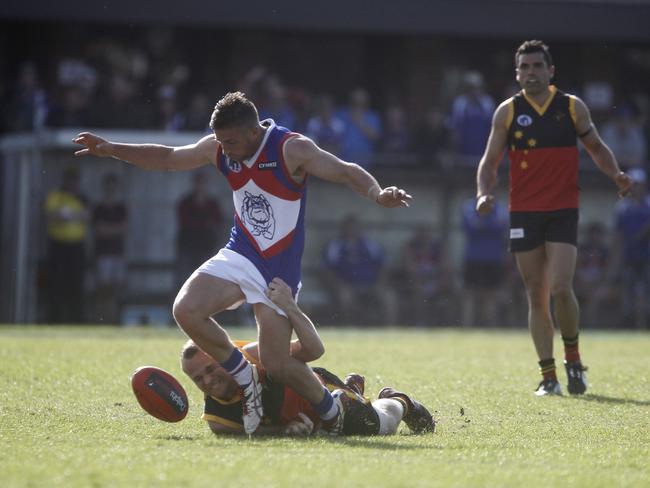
{"type": "Point", "coordinates": [529, 230]}
{"type": "Point", "coordinates": [361, 418]}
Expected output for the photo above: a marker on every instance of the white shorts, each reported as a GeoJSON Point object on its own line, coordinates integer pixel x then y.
{"type": "Point", "coordinates": [390, 415]}
{"type": "Point", "coordinates": [232, 266]}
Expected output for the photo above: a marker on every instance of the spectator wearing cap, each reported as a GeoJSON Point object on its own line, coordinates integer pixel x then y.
{"type": "Point", "coordinates": [633, 250]}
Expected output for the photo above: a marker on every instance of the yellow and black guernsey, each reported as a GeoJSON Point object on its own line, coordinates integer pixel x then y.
{"type": "Point", "coordinates": [543, 153]}
{"type": "Point", "coordinates": [282, 404]}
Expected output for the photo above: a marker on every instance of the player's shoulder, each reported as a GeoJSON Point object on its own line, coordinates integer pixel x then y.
{"type": "Point", "coordinates": [574, 99]}
{"type": "Point", "coordinates": [504, 112]}
{"type": "Point", "coordinates": [299, 145]}
{"type": "Point", "coordinates": [209, 140]}
{"type": "Point", "coordinates": [207, 146]}
{"type": "Point", "coordinates": [506, 104]}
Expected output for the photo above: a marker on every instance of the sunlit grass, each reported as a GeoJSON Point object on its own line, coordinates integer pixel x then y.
{"type": "Point", "coordinates": [68, 417]}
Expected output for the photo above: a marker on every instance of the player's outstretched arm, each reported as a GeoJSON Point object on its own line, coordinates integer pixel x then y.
{"type": "Point", "coordinates": [303, 155]}
{"type": "Point", "coordinates": [486, 175]}
{"type": "Point", "coordinates": [150, 156]}
{"type": "Point", "coordinates": [309, 345]}
{"type": "Point", "coordinates": [598, 150]}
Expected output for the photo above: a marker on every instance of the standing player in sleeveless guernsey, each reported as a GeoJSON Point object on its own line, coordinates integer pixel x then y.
{"type": "Point", "coordinates": [539, 127]}
{"type": "Point", "coordinates": [267, 168]}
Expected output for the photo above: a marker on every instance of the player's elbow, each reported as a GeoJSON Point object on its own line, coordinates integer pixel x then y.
{"type": "Point", "coordinates": [313, 352]}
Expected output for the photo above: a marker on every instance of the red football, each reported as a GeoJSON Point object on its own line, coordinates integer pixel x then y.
{"type": "Point", "coordinates": [159, 393]}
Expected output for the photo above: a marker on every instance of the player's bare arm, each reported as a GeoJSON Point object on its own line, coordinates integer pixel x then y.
{"type": "Point", "coordinates": [309, 346]}
{"type": "Point", "coordinates": [486, 176]}
{"type": "Point", "coordinates": [150, 156]}
{"type": "Point", "coordinates": [598, 150]}
{"type": "Point", "coordinates": [303, 156]}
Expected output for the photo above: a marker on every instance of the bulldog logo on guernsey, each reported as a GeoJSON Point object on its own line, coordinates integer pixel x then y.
{"type": "Point", "coordinates": [524, 120]}
{"type": "Point", "coordinates": [257, 215]}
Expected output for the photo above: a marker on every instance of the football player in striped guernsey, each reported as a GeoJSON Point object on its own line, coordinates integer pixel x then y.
{"type": "Point", "coordinates": [540, 127]}
{"type": "Point", "coordinates": [267, 168]}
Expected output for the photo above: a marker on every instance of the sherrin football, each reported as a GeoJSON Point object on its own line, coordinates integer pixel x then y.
{"type": "Point", "coordinates": [159, 393]}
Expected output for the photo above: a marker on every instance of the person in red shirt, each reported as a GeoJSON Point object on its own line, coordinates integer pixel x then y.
{"type": "Point", "coordinates": [200, 227]}
{"type": "Point", "coordinates": [539, 127]}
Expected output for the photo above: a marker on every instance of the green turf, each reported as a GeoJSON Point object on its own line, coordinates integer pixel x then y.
{"type": "Point", "coordinates": [68, 417]}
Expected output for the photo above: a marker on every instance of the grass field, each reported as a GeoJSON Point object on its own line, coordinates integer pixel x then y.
{"type": "Point", "coordinates": [68, 417]}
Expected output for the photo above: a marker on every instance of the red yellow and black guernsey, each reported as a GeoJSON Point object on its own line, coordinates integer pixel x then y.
{"type": "Point", "coordinates": [543, 152]}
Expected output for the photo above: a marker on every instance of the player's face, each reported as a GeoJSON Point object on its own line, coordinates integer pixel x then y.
{"type": "Point", "coordinates": [209, 376]}
{"type": "Point", "coordinates": [238, 143]}
{"type": "Point", "coordinates": [533, 74]}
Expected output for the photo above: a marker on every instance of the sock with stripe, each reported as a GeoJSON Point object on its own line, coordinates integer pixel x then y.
{"type": "Point", "coordinates": [547, 368]}
{"type": "Point", "coordinates": [326, 408]}
{"type": "Point", "coordinates": [404, 404]}
{"type": "Point", "coordinates": [239, 368]}
{"type": "Point", "coordinates": [571, 353]}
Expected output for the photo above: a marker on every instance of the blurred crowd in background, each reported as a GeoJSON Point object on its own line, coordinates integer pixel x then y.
{"type": "Point", "coordinates": [154, 83]}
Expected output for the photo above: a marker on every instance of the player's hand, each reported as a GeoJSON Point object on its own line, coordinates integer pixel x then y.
{"type": "Point", "coordinates": [95, 145]}
{"type": "Point", "coordinates": [280, 294]}
{"type": "Point", "coordinates": [484, 204]}
{"type": "Point", "coordinates": [624, 183]}
{"type": "Point", "coordinates": [392, 196]}
{"type": "Point", "coordinates": [300, 426]}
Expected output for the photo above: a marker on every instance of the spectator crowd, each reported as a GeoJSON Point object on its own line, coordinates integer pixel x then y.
{"type": "Point", "coordinates": [152, 85]}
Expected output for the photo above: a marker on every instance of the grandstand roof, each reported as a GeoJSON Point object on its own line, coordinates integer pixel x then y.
{"type": "Point", "coordinates": [558, 19]}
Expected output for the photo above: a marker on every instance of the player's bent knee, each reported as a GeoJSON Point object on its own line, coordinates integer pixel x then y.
{"type": "Point", "coordinates": [186, 312]}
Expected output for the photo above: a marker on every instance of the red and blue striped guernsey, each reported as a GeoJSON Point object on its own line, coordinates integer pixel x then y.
{"type": "Point", "coordinates": [269, 208]}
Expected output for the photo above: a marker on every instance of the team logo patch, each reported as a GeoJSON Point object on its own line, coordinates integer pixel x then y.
{"type": "Point", "coordinates": [233, 166]}
{"type": "Point", "coordinates": [524, 120]}
{"type": "Point", "coordinates": [268, 165]}
{"type": "Point", "coordinates": [257, 215]}
{"type": "Point", "coordinates": [517, 233]}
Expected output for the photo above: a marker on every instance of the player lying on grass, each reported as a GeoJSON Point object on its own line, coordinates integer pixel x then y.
{"type": "Point", "coordinates": [285, 412]}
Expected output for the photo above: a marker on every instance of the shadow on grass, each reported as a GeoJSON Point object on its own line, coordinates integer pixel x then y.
{"type": "Point", "coordinates": [180, 437]}
{"type": "Point", "coordinates": [371, 442]}
{"type": "Point", "coordinates": [613, 400]}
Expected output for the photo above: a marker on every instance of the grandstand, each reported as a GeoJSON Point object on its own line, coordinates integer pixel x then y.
{"type": "Point", "coordinates": [415, 54]}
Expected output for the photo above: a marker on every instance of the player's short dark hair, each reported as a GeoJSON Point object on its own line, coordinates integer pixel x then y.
{"type": "Point", "coordinates": [190, 349]}
{"type": "Point", "coordinates": [534, 46]}
{"type": "Point", "coordinates": [234, 110]}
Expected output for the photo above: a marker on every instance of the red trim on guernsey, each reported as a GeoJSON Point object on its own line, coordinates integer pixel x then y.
{"type": "Point", "coordinates": [544, 179]}
{"type": "Point", "coordinates": [275, 249]}
{"type": "Point", "coordinates": [268, 182]}
{"type": "Point", "coordinates": [237, 180]}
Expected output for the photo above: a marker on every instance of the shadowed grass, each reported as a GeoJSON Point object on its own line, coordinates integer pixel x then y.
{"type": "Point", "coordinates": [68, 417]}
